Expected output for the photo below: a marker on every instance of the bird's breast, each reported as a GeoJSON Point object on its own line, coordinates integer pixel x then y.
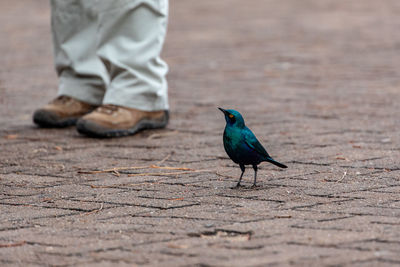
{"type": "Point", "coordinates": [237, 148]}
{"type": "Point", "coordinates": [232, 144]}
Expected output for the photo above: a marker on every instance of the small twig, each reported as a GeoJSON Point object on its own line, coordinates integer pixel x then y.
{"type": "Point", "coordinates": [114, 169]}
{"type": "Point", "coordinates": [171, 168]}
{"type": "Point", "coordinates": [175, 199]}
{"type": "Point", "coordinates": [164, 159]}
{"type": "Point", "coordinates": [119, 185]}
{"type": "Point", "coordinates": [17, 244]}
{"type": "Point", "coordinates": [156, 135]}
{"type": "Point", "coordinates": [117, 169]}
{"type": "Point", "coordinates": [224, 175]}
{"type": "Point", "coordinates": [166, 173]}
{"type": "Point", "coordinates": [94, 211]}
{"type": "Point", "coordinates": [344, 175]}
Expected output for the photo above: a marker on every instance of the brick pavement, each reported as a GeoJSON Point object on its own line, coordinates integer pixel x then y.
{"type": "Point", "coordinates": [317, 81]}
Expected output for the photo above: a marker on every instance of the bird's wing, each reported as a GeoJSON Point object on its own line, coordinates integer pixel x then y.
{"type": "Point", "coordinates": [251, 140]}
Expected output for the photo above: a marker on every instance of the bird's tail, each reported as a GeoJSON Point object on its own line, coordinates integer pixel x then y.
{"type": "Point", "coordinates": [271, 160]}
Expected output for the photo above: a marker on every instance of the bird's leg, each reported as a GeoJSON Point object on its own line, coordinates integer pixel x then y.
{"type": "Point", "coordinates": [255, 175]}
{"type": "Point", "coordinates": [240, 179]}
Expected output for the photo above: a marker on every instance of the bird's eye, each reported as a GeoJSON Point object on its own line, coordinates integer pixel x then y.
{"type": "Point", "coordinates": [231, 116]}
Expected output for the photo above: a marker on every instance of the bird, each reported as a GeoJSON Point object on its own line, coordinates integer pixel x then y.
{"type": "Point", "coordinates": [242, 146]}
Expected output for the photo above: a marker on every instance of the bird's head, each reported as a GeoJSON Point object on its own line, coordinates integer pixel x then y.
{"type": "Point", "coordinates": [233, 117]}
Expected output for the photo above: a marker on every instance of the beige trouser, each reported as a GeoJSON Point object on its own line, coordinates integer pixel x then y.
{"type": "Point", "coordinates": [108, 51]}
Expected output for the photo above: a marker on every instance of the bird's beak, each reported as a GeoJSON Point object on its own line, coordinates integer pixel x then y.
{"type": "Point", "coordinates": [223, 110]}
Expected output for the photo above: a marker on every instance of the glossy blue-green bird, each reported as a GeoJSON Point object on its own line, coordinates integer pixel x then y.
{"type": "Point", "coordinates": [242, 146]}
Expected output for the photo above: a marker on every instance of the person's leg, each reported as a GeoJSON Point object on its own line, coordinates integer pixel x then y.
{"type": "Point", "coordinates": [131, 40]}
{"type": "Point", "coordinates": [131, 36]}
{"type": "Point", "coordinates": [82, 75]}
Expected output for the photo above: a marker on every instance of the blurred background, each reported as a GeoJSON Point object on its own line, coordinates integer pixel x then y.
{"type": "Point", "coordinates": [301, 58]}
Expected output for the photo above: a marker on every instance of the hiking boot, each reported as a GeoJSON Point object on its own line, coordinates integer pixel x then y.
{"type": "Point", "coordinates": [62, 112]}
{"type": "Point", "coordinates": [115, 121]}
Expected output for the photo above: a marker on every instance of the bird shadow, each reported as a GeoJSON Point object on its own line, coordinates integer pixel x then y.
{"type": "Point", "coordinates": [248, 188]}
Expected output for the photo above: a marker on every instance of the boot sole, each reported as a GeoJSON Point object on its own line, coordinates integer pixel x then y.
{"type": "Point", "coordinates": [47, 119]}
{"type": "Point", "coordinates": [93, 130]}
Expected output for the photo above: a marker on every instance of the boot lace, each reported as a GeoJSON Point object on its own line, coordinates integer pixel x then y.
{"type": "Point", "coordinates": [107, 109]}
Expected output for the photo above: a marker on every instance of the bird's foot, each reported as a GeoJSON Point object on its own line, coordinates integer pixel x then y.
{"type": "Point", "coordinates": [254, 186]}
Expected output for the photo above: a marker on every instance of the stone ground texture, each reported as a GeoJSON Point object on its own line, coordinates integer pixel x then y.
{"type": "Point", "coordinates": [317, 81]}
